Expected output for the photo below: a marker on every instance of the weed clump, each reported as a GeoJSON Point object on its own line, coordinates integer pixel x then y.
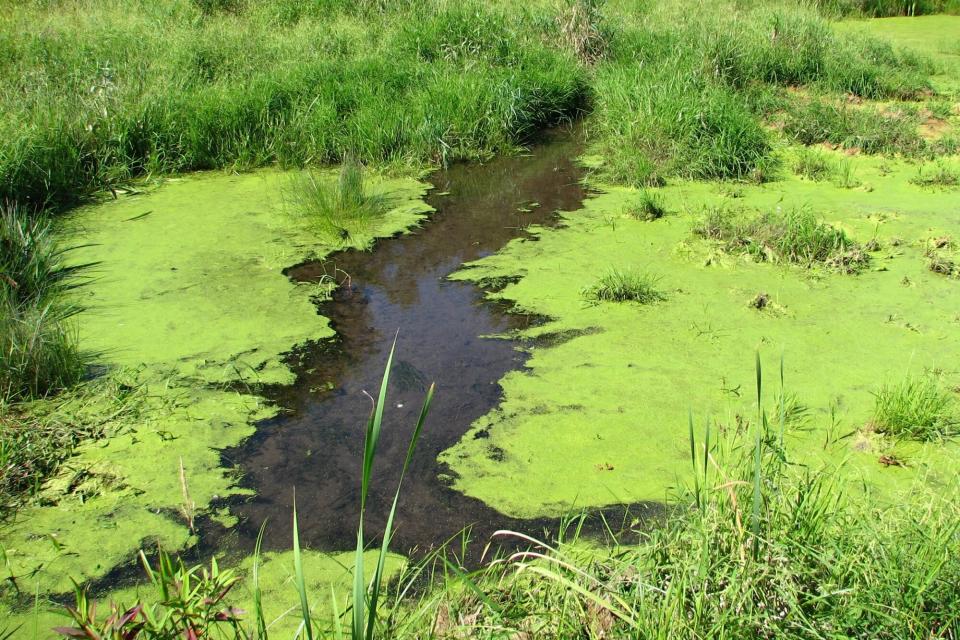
{"type": "Point", "coordinates": [918, 407]}
{"type": "Point", "coordinates": [813, 164]}
{"type": "Point", "coordinates": [648, 207]}
{"type": "Point", "coordinates": [941, 176]}
{"type": "Point", "coordinates": [627, 285]}
{"type": "Point", "coordinates": [940, 254]}
{"type": "Point", "coordinates": [39, 353]}
{"type": "Point", "coordinates": [340, 210]}
{"type": "Point", "coordinates": [583, 29]}
{"type": "Point", "coordinates": [794, 236]}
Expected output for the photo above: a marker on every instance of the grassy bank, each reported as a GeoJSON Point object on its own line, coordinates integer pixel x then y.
{"type": "Point", "coordinates": [96, 95]}
{"type": "Point", "coordinates": [759, 546]}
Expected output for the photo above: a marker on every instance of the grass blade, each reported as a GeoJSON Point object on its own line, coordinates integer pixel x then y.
{"type": "Point", "coordinates": [388, 530]}
{"type": "Point", "coordinates": [257, 595]}
{"type": "Point", "coordinates": [298, 571]}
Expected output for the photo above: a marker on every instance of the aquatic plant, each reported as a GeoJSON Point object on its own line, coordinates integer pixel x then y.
{"type": "Point", "coordinates": [917, 407]}
{"type": "Point", "coordinates": [625, 285]}
{"type": "Point", "coordinates": [341, 210]}
{"type": "Point", "coordinates": [36, 439]}
{"type": "Point", "coordinates": [758, 547]}
{"type": "Point", "coordinates": [794, 235]}
{"type": "Point", "coordinates": [649, 206]}
{"type": "Point", "coordinates": [846, 177]}
{"type": "Point", "coordinates": [813, 164]}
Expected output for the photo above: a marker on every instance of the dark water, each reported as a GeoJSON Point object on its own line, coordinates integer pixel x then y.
{"type": "Point", "coordinates": [315, 445]}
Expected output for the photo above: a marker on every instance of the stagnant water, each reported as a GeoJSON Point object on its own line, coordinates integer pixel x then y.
{"type": "Point", "coordinates": [315, 444]}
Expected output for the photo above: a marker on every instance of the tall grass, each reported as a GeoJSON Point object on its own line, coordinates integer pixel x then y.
{"type": "Point", "coordinates": [761, 548]}
{"type": "Point", "coordinates": [39, 353]}
{"type": "Point", "coordinates": [98, 94]}
{"type": "Point", "coordinates": [885, 8]}
{"type": "Point", "coordinates": [94, 95]}
{"type": "Point", "coordinates": [854, 127]}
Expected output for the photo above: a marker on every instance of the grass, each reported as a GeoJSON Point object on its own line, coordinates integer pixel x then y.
{"type": "Point", "coordinates": [648, 207]}
{"type": "Point", "coordinates": [940, 176]}
{"type": "Point", "coordinates": [626, 285]}
{"type": "Point", "coordinates": [941, 256]}
{"type": "Point", "coordinates": [39, 353]}
{"type": "Point", "coordinates": [94, 96]}
{"type": "Point", "coordinates": [887, 8]}
{"type": "Point", "coordinates": [814, 164]}
{"type": "Point", "coordinates": [179, 87]}
{"type": "Point", "coordinates": [917, 407]}
{"type": "Point", "coordinates": [854, 127]}
{"type": "Point", "coordinates": [794, 236]}
{"type": "Point", "coordinates": [342, 210]}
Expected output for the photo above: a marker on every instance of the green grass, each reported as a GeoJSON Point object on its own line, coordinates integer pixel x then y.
{"type": "Point", "coordinates": [917, 407]}
{"type": "Point", "coordinates": [648, 207]}
{"type": "Point", "coordinates": [814, 164]}
{"type": "Point", "coordinates": [794, 236]}
{"type": "Point", "coordinates": [39, 353]}
{"type": "Point", "coordinates": [626, 285]}
{"type": "Point", "coordinates": [886, 8]}
{"type": "Point", "coordinates": [940, 175]}
{"type": "Point", "coordinates": [94, 95]}
{"type": "Point", "coordinates": [341, 210]}
{"type": "Point", "coordinates": [854, 127]}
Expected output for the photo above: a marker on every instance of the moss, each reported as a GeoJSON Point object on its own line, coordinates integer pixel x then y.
{"type": "Point", "coordinates": [634, 380]}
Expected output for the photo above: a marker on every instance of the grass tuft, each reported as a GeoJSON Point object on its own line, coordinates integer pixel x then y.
{"type": "Point", "coordinates": [794, 236]}
{"type": "Point", "coordinates": [814, 164]}
{"type": "Point", "coordinates": [39, 353]}
{"type": "Point", "coordinates": [627, 285]}
{"type": "Point", "coordinates": [342, 210]}
{"type": "Point", "coordinates": [648, 207]}
{"type": "Point", "coordinates": [940, 176]}
{"type": "Point", "coordinates": [918, 407]}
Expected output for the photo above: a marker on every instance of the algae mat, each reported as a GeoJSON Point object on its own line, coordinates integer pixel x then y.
{"type": "Point", "coordinates": [602, 418]}
{"type": "Point", "coordinates": [188, 292]}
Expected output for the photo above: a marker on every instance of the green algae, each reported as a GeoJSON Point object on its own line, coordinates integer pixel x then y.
{"type": "Point", "coordinates": [189, 277]}
{"type": "Point", "coordinates": [602, 417]}
{"type": "Point", "coordinates": [188, 293]}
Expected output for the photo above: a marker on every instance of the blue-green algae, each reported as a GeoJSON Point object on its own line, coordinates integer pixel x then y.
{"type": "Point", "coordinates": [602, 417]}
